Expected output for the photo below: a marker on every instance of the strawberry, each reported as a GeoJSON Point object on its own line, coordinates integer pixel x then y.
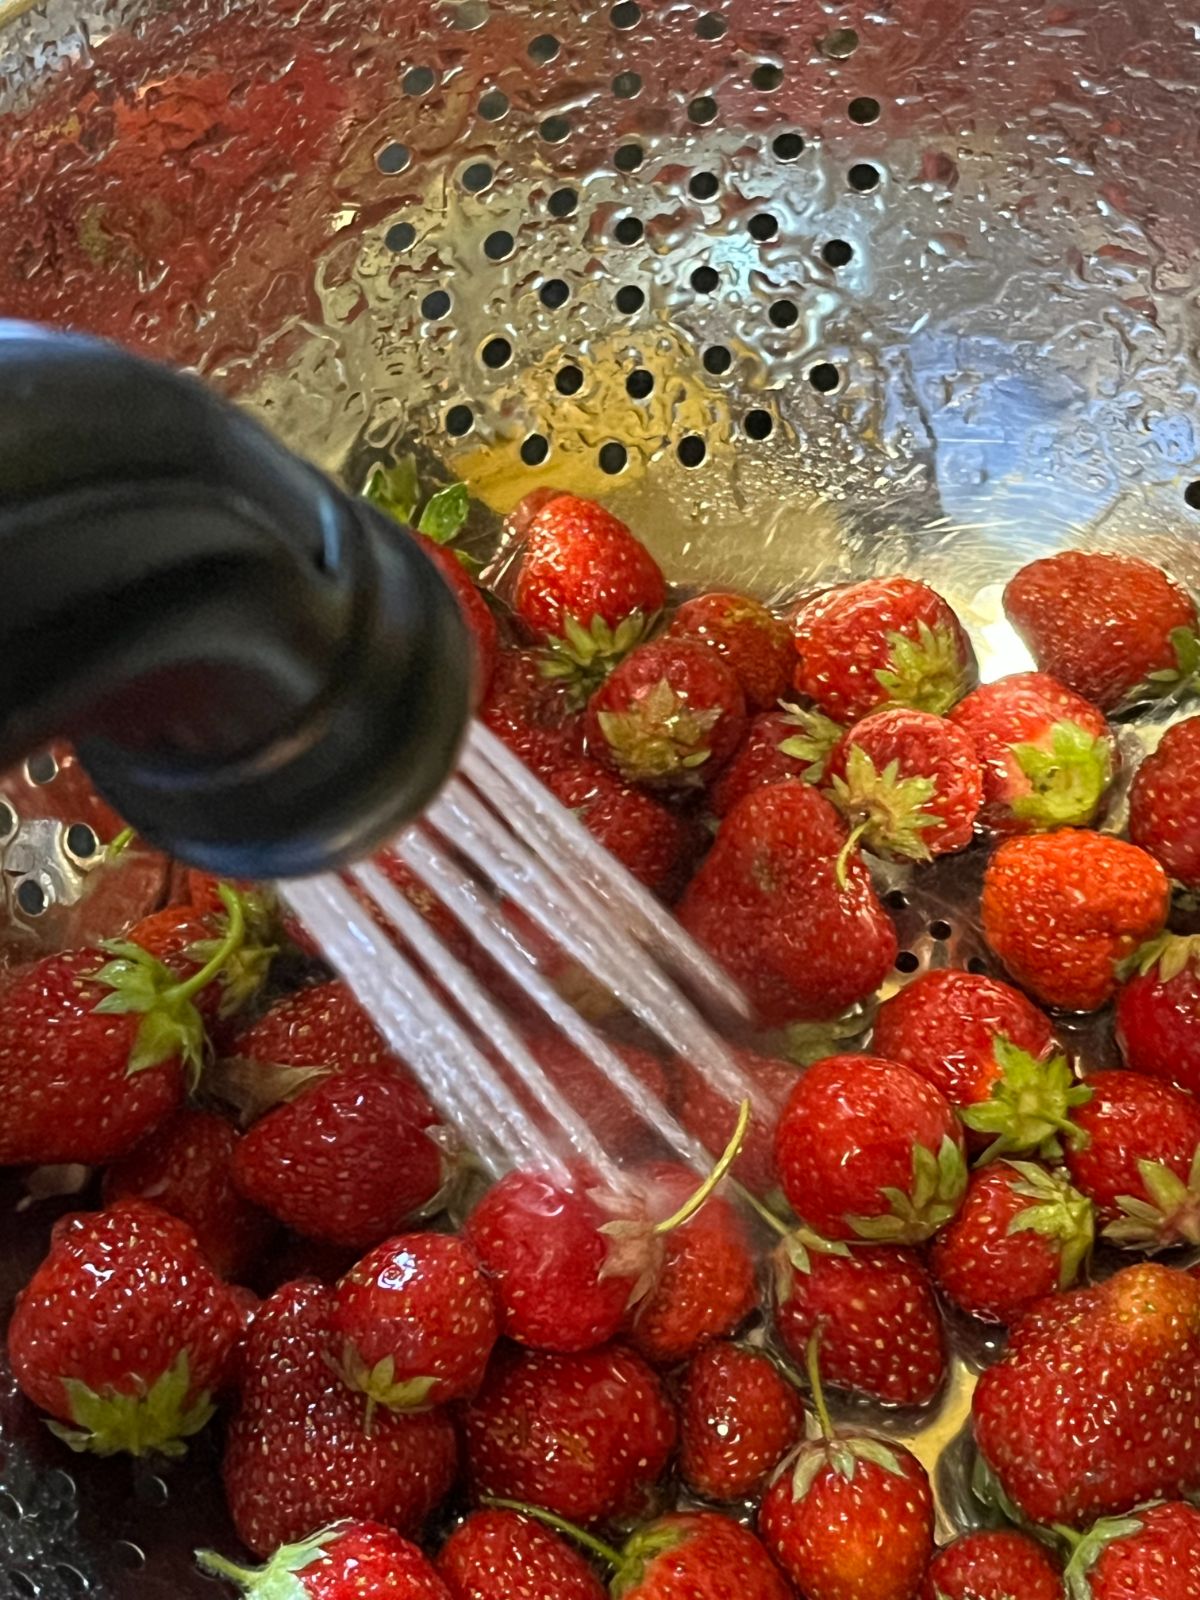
{"type": "Point", "coordinates": [1093, 1406]}
{"type": "Point", "coordinates": [349, 1161]}
{"type": "Point", "coordinates": [186, 1167]}
{"type": "Point", "coordinates": [297, 1452]}
{"type": "Point", "coordinates": [477, 614]}
{"type": "Point", "coordinates": [344, 1562]}
{"type": "Point", "coordinates": [1164, 804]}
{"type": "Point", "coordinates": [649, 839]}
{"type": "Point", "coordinates": [502, 1555]}
{"type": "Point", "coordinates": [738, 1418]}
{"type": "Point", "coordinates": [1001, 1564]}
{"type": "Point", "coordinates": [1112, 628]}
{"type": "Point", "coordinates": [710, 1117]}
{"type": "Point", "coordinates": [414, 1323]}
{"type": "Point", "coordinates": [124, 1334]}
{"type": "Point", "coordinates": [1023, 1232]}
{"type": "Point", "coordinates": [875, 1311]}
{"type": "Point", "coordinates": [322, 1027]}
{"type": "Point", "coordinates": [753, 643]}
{"type": "Point", "coordinates": [788, 743]}
{"type": "Point", "coordinates": [1063, 910]}
{"type": "Point", "coordinates": [585, 1436]}
{"type": "Point", "coordinates": [696, 1555]}
{"type": "Point", "coordinates": [792, 919]}
{"type": "Point", "coordinates": [1154, 1550]}
{"type": "Point", "coordinates": [849, 1516]}
{"type": "Point", "coordinates": [909, 784]}
{"type": "Point", "coordinates": [533, 713]}
{"type": "Point", "coordinates": [1137, 1158]}
{"type": "Point", "coordinates": [867, 1149]}
{"type": "Point", "coordinates": [669, 716]}
{"type": "Point", "coordinates": [1157, 1010]}
{"type": "Point", "coordinates": [611, 1115]}
{"type": "Point", "coordinates": [1047, 755]}
{"type": "Point", "coordinates": [884, 641]}
{"type": "Point", "coordinates": [184, 939]}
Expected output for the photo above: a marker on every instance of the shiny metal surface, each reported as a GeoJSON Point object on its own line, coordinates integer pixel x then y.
{"type": "Point", "coordinates": [802, 291]}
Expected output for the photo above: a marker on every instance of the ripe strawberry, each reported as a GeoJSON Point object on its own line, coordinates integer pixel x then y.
{"type": "Point", "coordinates": [1047, 755]}
{"type": "Point", "coordinates": [185, 1167]}
{"type": "Point", "coordinates": [803, 932]}
{"type": "Point", "coordinates": [669, 716]}
{"type": "Point", "coordinates": [655, 843]}
{"type": "Point", "coordinates": [502, 1555]}
{"type": "Point", "coordinates": [1111, 628]}
{"type": "Point", "coordinates": [125, 1333]}
{"type": "Point", "coordinates": [788, 743]}
{"type": "Point", "coordinates": [885, 640]}
{"type": "Point", "coordinates": [1157, 1010]}
{"type": "Point", "coordinates": [867, 1149]}
{"type": "Point", "coordinates": [753, 643]}
{"type": "Point", "coordinates": [1063, 910]}
{"type": "Point", "coordinates": [875, 1312]}
{"type": "Point", "coordinates": [697, 1555]}
{"type": "Point", "coordinates": [477, 614]}
{"type": "Point", "coordinates": [995, 1565]}
{"type": "Point", "coordinates": [533, 713]}
{"type": "Point", "coordinates": [1023, 1232]}
{"type": "Point", "coordinates": [321, 1027]}
{"type": "Point", "coordinates": [297, 1452]}
{"type": "Point", "coordinates": [1152, 1551]}
{"type": "Point", "coordinates": [1164, 804]}
{"type": "Point", "coordinates": [584, 1436]}
{"type": "Point", "coordinates": [738, 1418]}
{"type": "Point", "coordinates": [347, 1561]}
{"type": "Point", "coordinates": [349, 1161]}
{"type": "Point", "coordinates": [610, 1113]}
{"type": "Point", "coordinates": [909, 784]}
{"type": "Point", "coordinates": [184, 940]}
{"type": "Point", "coordinates": [710, 1117]}
{"type": "Point", "coordinates": [1093, 1406]}
{"type": "Point", "coordinates": [414, 1323]}
{"type": "Point", "coordinates": [1138, 1160]}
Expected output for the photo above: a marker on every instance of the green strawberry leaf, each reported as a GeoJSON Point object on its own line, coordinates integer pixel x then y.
{"type": "Point", "coordinates": [154, 1420]}
{"type": "Point", "coordinates": [1068, 780]}
{"type": "Point", "coordinates": [878, 1452]}
{"type": "Point", "coordinates": [379, 1384]}
{"type": "Point", "coordinates": [661, 738]}
{"type": "Point", "coordinates": [1030, 1105]}
{"type": "Point", "coordinates": [1168, 1213]}
{"type": "Point", "coordinates": [815, 742]}
{"type": "Point", "coordinates": [927, 672]}
{"type": "Point", "coordinates": [1058, 1212]}
{"type": "Point", "coordinates": [395, 489]}
{"type": "Point", "coordinates": [1185, 674]}
{"type": "Point", "coordinates": [1086, 1550]}
{"type": "Point", "coordinates": [1171, 953]}
{"type": "Point", "coordinates": [890, 811]}
{"type": "Point", "coordinates": [938, 1184]}
{"type": "Point", "coordinates": [277, 1580]}
{"type": "Point", "coordinates": [445, 513]}
{"type": "Point", "coordinates": [806, 1042]}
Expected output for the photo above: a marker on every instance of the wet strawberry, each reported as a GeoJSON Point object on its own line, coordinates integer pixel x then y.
{"type": "Point", "coordinates": [344, 1562]}
{"type": "Point", "coordinates": [1022, 1233]}
{"type": "Point", "coordinates": [1064, 910]}
{"type": "Point", "coordinates": [995, 1565]}
{"type": "Point", "coordinates": [322, 1029]}
{"type": "Point", "coordinates": [1047, 755]}
{"type": "Point", "coordinates": [753, 643]}
{"type": "Point", "coordinates": [882, 641]}
{"type": "Point", "coordinates": [1164, 804]}
{"type": "Point", "coordinates": [788, 909]}
{"type": "Point", "coordinates": [585, 1436]}
{"type": "Point", "coordinates": [481, 624]}
{"type": "Point", "coordinates": [867, 1149]}
{"type": "Point", "coordinates": [908, 782]}
{"type": "Point", "coordinates": [1093, 1406]}
{"type": "Point", "coordinates": [697, 1555]}
{"type": "Point", "coordinates": [1157, 1010]}
{"type": "Point", "coordinates": [788, 743]}
{"type": "Point", "coordinates": [738, 1418]}
{"type": "Point", "coordinates": [670, 716]}
{"type": "Point", "coordinates": [611, 1113]}
{"type": "Point", "coordinates": [1154, 1550]}
{"type": "Point", "coordinates": [655, 843]}
{"type": "Point", "coordinates": [711, 1117]}
{"type": "Point", "coordinates": [502, 1555]}
{"type": "Point", "coordinates": [1112, 628]}
{"type": "Point", "coordinates": [533, 713]}
{"type": "Point", "coordinates": [185, 939]}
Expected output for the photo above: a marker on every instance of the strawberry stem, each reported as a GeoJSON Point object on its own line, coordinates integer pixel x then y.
{"type": "Point", "coordinates": [605, 1552]}
{"type": "Point", "coordinates": [116, 845]}
{"type": "Point", "coordinates": [812, 1365]}
{"type": "Point", "coordinates": [732, 1150]}
{"type": "Point", "coordinates": [760, 1210]}
{"type": "Point", "coordinates": [221, 1567]}
{"type": "Point", "coordinates": [843, 857]}
{"type": "Point", "coordinates": [235, 933]}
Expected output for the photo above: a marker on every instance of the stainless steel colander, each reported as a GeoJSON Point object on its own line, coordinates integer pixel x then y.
{"type": "Point", "coordinates": [803, 291]}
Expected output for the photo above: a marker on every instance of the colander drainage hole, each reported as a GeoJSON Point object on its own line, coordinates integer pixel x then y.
{"type": "Point", "coordinates": [767, 78]}
{"type": "Point", "coordinates": [562, 202]}
{"type": "Point", "coordinates": [459, 420]}
{"type": "Point", "coordinates": [629, 230]}
{"type": "Point", "coordinates": [896, 899]}
{"type": "Point", "coordinates": [824, 377]}
{"type": "Point", "coordinates": [393, 158]}
{"type": "Point", "coordinates": [612, 458]}
{"type": "Point", "coordinates": [629, 298]}
{"type": "Point", "coordinates": [629, 157]}
{"type": "Point", "coordinates": [940, 930]}
{"type": "Point", "coordinates": [10, 1507]}
{"type": "Point", "coordinates": [81, 841]}
{"type": "Point", "coordinates": [864, 110]}
{"type": "Point", "coordinates": [42, 768]}
{"type": "Point", "coordinates": [131, 1556]}
{"type": "Point", "coordinates": [837, 253]}
{"type": "Point", "coordinates": [477, 177]}
{"type": "Point", "coordinates": [978, 966]}
{"type": "Point", "coordinates": [691, 450]}
{"type": "Point", "coordinates": [31, 897]}
{"type": "Point", "coordinates": [493, 105]}
{"type": "Point", "coordinates": [568, 380]}
{"type": "Point", "coordinates": [763, 227]}
{"type": "Point", "coordinates": [639, 384]}
{"type": "Point", "coordinates": [400, 236]}
{"type": "Point", "coordinates": [73, 1580]}
{"type": "Point", "coordinates": [419, 80]}
{"type": "Point", "coordinates": [702, 110]}
{"type": "Point", "coordinates": [435, 305]}
{"type": "Point", "coordinates": [907, 961]}
{"type": "Point", "coordinates": [703, 185]}
{"type": "Point", "coordinates": [711, 26]}
{"type": "Point", "coordinates": [758, 424]}
{"type": "Point", "coordinates": [543, 49]}
{"type": "Point", "coordinates": [1192, 495]}
{"type": "Point", "coordinates": [784, 313]}
{"type": "Point", "coordinates": [496, 353]}
{"type": "Point", "coordinates": [499, 246]}
{"type": "Point", "coordinates": [554, 293]}
{"type": "Point", "coordinates": [717, 360]}
{"type": "Point", "coordinates": [8, 820]}
{"type": "Point", "coordinates": [554, 130]}
{"type": "Point", "coordinates": [864, 177]}
{"type": "Point", "coordinates": [787, 146]}
{"type": "Point", "coordinates": [535, 449]}
{"type": "Point", "coordinates": [626, 85]}
{"type": "Point", "coordinates": [626, 15]}
{"type": "Point", "coordinates": [705, 280]}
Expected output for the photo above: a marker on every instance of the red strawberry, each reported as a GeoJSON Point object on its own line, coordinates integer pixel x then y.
{"type": "Point", "coordinates": [650, 840]}
{"type": "Point", "coordinates": [502, 1555]}
{"type": "Point", "coordinates": [1164, 804]}
{"type": "Point", "coordinates": [347, 1561]}
{"type": "Point", "coordinates": [789, 743]}
{"type": "Point", "coordinates": [1022, 1233]}
{"type": "Point", "coordinates": [882, 641]}
{"type": "Point", "coordinates": [1157, 1011]}
{"type": "Point", "coordinates": [1048, 756]}
{"type": "Point", "coordinates": [1111, 628]}
{"type": "Point", "coordinates": [867, 1149]}
{"type": "Point", "coordinates": [533, 712]}
{"type": "Point", "coordinates": [1138, 1159]}
{"type": "Point", "coordinates": [710, 1117]}
{"type": "Point", "coordinates": [669, 716]}
{"type": "Point", "coordinates": [322, 1027]}
{"type": "Point", "coordinates": [414, 1323]}
{"type": "Point", "coordinates": [849, 1516]}
{"type": "Point", "coordinates": [1063, 911]}
{"type": "Point", "coordinates": [477, 614]}
{"type": "Point", "coordinates": [803, 932]}
{"type": "Point", "coordinates": [908, 782]}
{"type": "Point", "coordinates": [754, 644]}
{"type": "Point", "coordinates": [185, 1167]}
{"type": "Point", "coordinates": [697, 1555]}
{"type": "Point", "coordinates": [1152, 1551]}
{"type": "Point", "coordinates": [125, 1333]}
{"type": "Point", "coordinates": [1093, 1406]}
{"type": "Point", "coordinates": [738, 1418]}
{"type": "Point", "coordinates": [610, 1113]}
{"type": "Point", "coordinates": [185, 940]}
{"type": "Point", "coordinates": [584, 1436]}
{"type": "Point", "coordinates": [349, 1161]}
{"type": "Point", "coordinates": [998, 1565]}
{"type": "Point", "coordinates": [875, 1312]}
{"type": "Point", "coordinates": [297, 1452]}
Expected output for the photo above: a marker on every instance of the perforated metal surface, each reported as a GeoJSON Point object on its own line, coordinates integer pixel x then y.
{"type": "Point", "coordinates": [803, 291]}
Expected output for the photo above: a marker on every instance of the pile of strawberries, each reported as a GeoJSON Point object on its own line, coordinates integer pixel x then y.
{"type": "Point", "coordinates": [432, 1389]}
